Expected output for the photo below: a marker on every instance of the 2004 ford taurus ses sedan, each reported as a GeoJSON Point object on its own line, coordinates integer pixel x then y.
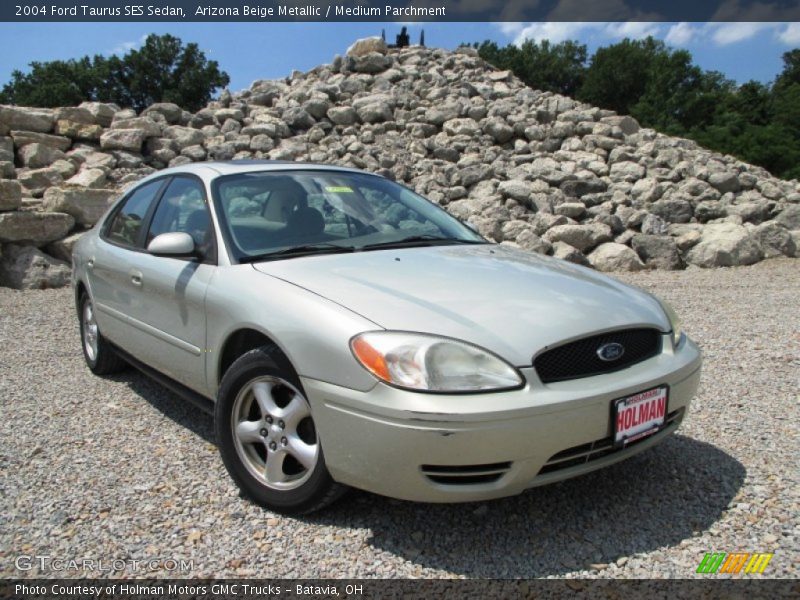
{"type": "Point", "coordinates": [347, 332]}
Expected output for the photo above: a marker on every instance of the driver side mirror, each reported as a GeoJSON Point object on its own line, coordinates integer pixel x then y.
{"type": "Point", "coordinates": [176, 244]}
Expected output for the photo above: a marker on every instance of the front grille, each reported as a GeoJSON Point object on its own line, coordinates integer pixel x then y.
{"type": "Point", "coordinates": [586, 453]}
{"type": "Point", "coordinates": [465, 474]}
{"type": "Point", "coordinates": [579, 358]}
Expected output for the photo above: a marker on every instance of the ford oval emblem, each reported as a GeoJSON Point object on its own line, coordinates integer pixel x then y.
{"type": "Point", "coordinates": [611, 351]}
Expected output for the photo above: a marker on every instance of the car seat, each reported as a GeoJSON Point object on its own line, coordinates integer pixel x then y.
{"type": "Point", "coordinates": [198, 225]}
{"type": "Point", "coordinates": [306, 223]}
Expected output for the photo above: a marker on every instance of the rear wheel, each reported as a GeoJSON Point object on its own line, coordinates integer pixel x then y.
{"type": "Point", "coordinates": [97, 351]}
{"type": "Point", "coordinates": [267, 436]}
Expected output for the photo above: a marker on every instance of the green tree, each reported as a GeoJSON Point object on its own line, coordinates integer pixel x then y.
{"type": "Point", "coordinates": [544, 66]}
{"type": "Point", "coordinates": [162, 70]}
{"type": "Point", "coordinates": [791, 69]}
{"type": "Point", "coordinates": [663, 89]}
{"type": "Point", "coordinates": [618, 75]}
{"type": "Point", "coordinates": [56, 83]}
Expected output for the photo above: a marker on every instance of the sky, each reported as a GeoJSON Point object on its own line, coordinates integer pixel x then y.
{"type": "Point", "coordinates": [251, 51]}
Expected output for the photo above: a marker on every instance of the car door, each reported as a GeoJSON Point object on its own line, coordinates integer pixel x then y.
{"type": "Point", "coordinates": [112, 268]}
{"type": "Point", "coordinates": [172, 291]}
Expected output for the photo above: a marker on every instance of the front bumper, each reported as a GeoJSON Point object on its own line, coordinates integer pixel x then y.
{"type": "Point", "coordinates": [456, 448]}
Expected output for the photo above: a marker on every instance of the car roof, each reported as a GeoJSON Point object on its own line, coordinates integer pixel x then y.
{"type": "Point", "coordinates": [233, 167]}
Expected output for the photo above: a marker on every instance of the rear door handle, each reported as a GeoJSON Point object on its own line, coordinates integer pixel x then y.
{"type": "Point", "coordinates": [136, 278]}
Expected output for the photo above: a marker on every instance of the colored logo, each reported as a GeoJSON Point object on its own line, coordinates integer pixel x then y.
{"type": "Point", "coordinates": [611, 351]}
{"type": "Point", "coordinates": [737, 562]}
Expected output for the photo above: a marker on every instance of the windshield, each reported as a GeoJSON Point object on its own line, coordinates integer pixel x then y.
{"type": "Point", "coordinates": [284, 212]}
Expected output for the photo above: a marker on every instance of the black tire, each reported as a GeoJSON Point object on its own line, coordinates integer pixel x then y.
{"type": "Point", "coordinates": [319, 489]}
{"type": "Point", "coordinates": [106, 361]}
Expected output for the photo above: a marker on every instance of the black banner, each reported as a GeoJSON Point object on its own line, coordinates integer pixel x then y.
{"type": "Point", "coordinates": [363, 589]}
{"type": "Point", "coordinates": [399, 10]}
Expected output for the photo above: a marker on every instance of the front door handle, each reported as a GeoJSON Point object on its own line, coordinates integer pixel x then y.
{"type": "Point", "coordinates": [90, 263]}
{"type": "Point", "coordinates": [136, 278]}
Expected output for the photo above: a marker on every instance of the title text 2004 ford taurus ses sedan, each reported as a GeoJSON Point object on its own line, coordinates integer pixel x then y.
{"type": "Point", "coordinates": [347, 332]}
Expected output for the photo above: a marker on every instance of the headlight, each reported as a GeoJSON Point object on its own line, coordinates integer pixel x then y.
{"type": "Point", "coordinates": [432, 364]}
{"type": "Point", "coordinates": [674, 321]}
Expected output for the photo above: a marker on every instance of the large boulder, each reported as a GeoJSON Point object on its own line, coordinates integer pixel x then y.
{"type": "Point", "coordinates": [790, 217]}
{"type": "Point", "coordinates": [102, 112]}
{"type": "Point", "coordinates": [615, 257]}
{"type": "Point", "coordinates": [297, 118]}
{"type": "Point", "coordinates": [724, 181]}
{"type": "Point", "coordinates": [36, 156]}
{"type": "Point", "coordinates": [150, 127]}
{"type": "Point", "coordinates": [36, 181]}
{"type": "Point", "coordinates": [438, 114]}
{"type": "Point", "coordinates": [672, 210]}
{"type": "Point", "coordinates": [7, 170]}
{"type": "Point", "coordinates": [317, 106]}
{"type": "Point", "coordinates": [500, 131]}
{"type": "Point", "coordinates": [517, 189]}
{"type": "Point", "coordinates": [161, 149]}
{"type": "Point", "coordinates": [172, 113]}
{"type": "Point", "coordinates": [57, 142]}
{"type": "Point", "coordinates": [709, 210]}
{"type": "Point", "coordinates": [27, 119]}
{"type": "Point", "coordinates": [342, 115]}
{"type": "Point", "coordinates": [79, 131]}
{"type": "Point", "coordinates": [76, 114]}
{"type": "Point", "coordinates": [62, 249]}
{"type": "Point", "coordinates": [724, 245]}
{"type": "Point", "coordinates": [10, 195]}
{"type": "Point", "coordinates": [37, 228]}
{"type": "Point", "coordinates": [6, 149]}
{"type": "Point", "coordinates": [578, 188]}
{"type": "Point", "coordinates": [626, 171]}
{"type": "Point", "coordinates": [88, 178]}
{"type": "Point", "coordinates": [184, 136]}
{"type": "Point", "coordinates": [123, 139]}
{"type": "Point", "coordinates": [85, 205]}
{"type": "Point", "coordinates": [365, 46]}
{"type": "Point", "coordinates": [528, 240]}
{"type": "Point", "coordinates": [569, 253]}
{"type": "Point", "coordinates": [647, 190]}
{"type": "Point", "coordinates": [654, 225]}
{"type": "Point", "coordinates": [459, 126]}
{"type": "Point", "coordinates": [657, 251]}
{"type": "Point", "coordinates": [775, 240]}
{"type": "Point", "coordinates": [372, 62]}
{"type": "Point", "coordinates": [374, 109]}
{"type": "Point", "coordinates": [627, 124]}
{"type": "Point", "coordinates": [582, 237]}
{"type": "Point", "coordinates": [26, 268]}
{"type": "Point", "coordinates": [573, 210]}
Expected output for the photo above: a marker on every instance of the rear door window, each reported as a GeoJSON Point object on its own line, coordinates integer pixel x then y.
{"type": "Point", "coordinates": [126, 225]}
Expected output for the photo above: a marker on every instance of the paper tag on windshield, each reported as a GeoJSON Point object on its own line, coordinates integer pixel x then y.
{"type": "Point", "coordinates": [341, 189]}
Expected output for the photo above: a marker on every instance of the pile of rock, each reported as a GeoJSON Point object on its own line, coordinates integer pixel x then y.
{"type": "Point", "coordinates": [525, 167]}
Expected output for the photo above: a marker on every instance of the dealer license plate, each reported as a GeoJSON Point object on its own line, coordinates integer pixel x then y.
{"type": "Point", "coordinates": [639, 415]}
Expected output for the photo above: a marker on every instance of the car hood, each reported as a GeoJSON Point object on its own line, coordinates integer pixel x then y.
{"type": "Point", "coordinates": [511, 302]}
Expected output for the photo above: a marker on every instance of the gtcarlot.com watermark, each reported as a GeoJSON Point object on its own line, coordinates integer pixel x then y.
{"type": "Point", "coordinates": [53, 564]}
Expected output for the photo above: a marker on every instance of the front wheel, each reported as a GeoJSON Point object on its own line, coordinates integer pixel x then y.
{"type": "Point", "coordinates": [267, 437]}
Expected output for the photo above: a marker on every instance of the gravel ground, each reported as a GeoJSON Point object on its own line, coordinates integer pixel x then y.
{"type": "Point", "coordinates": [121, 469]}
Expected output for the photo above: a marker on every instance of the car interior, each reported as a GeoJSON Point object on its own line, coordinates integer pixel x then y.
{"type": "Point", "coordinates": [277, 212]}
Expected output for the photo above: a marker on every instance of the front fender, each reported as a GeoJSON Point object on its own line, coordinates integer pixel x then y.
{"type": "Point", "coordinates": [312, 331]}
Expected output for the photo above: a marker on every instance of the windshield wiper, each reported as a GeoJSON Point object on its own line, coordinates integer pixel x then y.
{"type": "Point", "coordinates": [414, 240]}
{"type": "Point", "coordinates": [321, 248]}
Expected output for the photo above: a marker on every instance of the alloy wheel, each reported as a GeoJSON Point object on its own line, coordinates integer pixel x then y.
{"type": "Point", "coordinates": [274, 434]}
